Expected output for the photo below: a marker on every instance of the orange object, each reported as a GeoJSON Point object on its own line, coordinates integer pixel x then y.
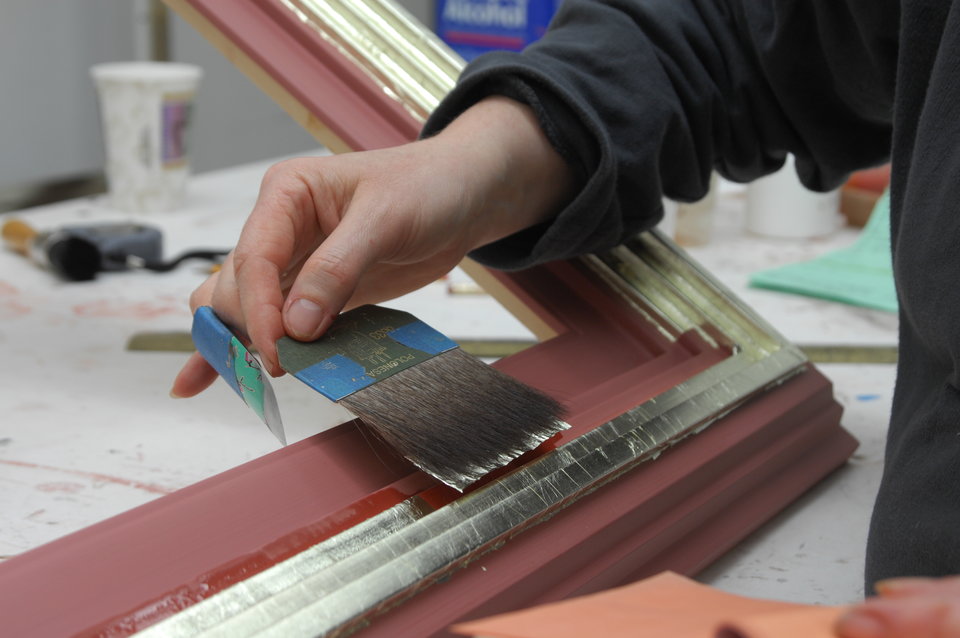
{"type": "Point", "coordinates": [861, 192]}
{"type": "Point", "coordinates": [18, 235]}
{"type": "Point", "coordinates": [872, 179]}
{"type": "Point", "coordinates": [664, 606]}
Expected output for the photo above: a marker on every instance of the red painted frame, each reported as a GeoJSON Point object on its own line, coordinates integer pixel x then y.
{"type": "Point", "coordinates": [696, 501]}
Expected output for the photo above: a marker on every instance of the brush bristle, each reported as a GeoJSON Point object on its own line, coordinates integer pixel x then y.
{"type": "Point", "coordinates": [456, 417]}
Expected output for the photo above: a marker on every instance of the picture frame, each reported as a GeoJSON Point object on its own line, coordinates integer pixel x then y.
{"type": "Point", "coordinates": [692, 421]}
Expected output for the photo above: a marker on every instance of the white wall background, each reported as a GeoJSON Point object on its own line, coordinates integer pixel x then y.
{"type": "Point", "coordinates": [49, 124]}
{"type": "Point", "coordinates": [48, 110]}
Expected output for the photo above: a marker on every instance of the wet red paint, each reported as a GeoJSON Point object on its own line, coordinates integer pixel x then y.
{"type": "Point", "coordinates": [93, 476]}
{"type": "Point", "coordinates": [244, 567]}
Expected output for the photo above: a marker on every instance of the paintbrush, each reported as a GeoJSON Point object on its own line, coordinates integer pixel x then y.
{"type": "Point", "coordinates": [80, 252]}
{"type": "Point", "coordinates": [448, 413]}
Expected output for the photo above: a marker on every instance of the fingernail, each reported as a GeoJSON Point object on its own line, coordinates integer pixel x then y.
{"type": "Point", "coordinates": [274, 369]}
{"type": "Point", "coordinates": [304, 319]}
{"type": "Point", "coordinates": [174, 395]}
{"type": "Point", "coordinates": [855, 624]}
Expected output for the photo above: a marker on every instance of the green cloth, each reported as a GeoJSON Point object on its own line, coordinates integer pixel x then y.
{"type": "Point", "coordinates": [861, 275]}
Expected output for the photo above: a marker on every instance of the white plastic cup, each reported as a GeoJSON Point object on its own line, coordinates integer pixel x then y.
{"type": "Point", "coordinates": [145, 109]}
{"type": "Point", "coordinates": [780, 206]}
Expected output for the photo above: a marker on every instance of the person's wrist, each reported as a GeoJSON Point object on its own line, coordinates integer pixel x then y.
{"type": "Point", "coordinates": [512, 176]}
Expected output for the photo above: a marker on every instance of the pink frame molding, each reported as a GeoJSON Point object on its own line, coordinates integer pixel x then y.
{"type": "Point", "coordinates": [683, 510]}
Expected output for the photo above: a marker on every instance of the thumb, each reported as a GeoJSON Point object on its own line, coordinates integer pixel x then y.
{"type": "Point", "coordinates": [326, 282]}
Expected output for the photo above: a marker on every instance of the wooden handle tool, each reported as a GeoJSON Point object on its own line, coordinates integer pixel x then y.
{"type": "Point", "coordinates": [19, 236]}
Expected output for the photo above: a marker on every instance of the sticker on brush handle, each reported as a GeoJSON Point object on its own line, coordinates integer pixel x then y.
{"type": "Point", "coordinates": [363, 346]}
{"type": "Point", "coordinates": [238, 367]}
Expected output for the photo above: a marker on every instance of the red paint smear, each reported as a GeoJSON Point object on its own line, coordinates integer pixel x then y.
{"type": "Point", "coordinates": [141, 310]}
{"type": "Point", "coordinates": [430, 493]}
{"type": "Point", "coordinates": [11, 309]}
{"type": "Point", "coordinates": [153, 611]}
{"type": "Point", "coordinates": [146, 487]}
{"type": "Point", "coordinates": [68, 488]}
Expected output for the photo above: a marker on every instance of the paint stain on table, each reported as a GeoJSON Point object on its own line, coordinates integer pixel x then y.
{"type": "Point", "coordinates": [11, 306]}
{"type": "Point", "coordinates": [94, 476]}
{"type": "Point", "coordinates": [11, 309]}
{"type": "Point", "coordinates": [62, 487]}
{"type": "Point", "coordinates": [126, 310]}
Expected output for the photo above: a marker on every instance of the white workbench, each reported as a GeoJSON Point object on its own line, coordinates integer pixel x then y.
{"type": "Point", "coordinates": [812, 552]}
{"type": "Point", "coordinates": [89, 430]}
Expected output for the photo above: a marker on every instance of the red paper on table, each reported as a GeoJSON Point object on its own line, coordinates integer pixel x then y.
{"type": "Point", "coordinates": [667, 605]}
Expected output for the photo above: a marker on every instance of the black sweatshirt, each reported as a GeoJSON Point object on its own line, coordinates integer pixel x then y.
{"type": "Point", "coordinates": [645, 98]}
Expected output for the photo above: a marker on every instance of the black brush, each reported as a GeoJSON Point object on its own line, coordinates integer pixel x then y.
{"type": "Point", "coordinates": [450, 414]}
{"type": "Point", "coordinates": [79, 253]}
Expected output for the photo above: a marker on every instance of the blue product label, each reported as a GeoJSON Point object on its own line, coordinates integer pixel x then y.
{"type": "Point", "coordinates": [422, 337]}
{"type": "Point", "coordinates": [214, 341]}
{"type": "Point", "coordinates": [362, 346]}
{"type": "Point", "coordinates": [335, 377]}
{"type": "Point", "coordinates": [238, 367]}
{"type": "Point", "coordinates": [472, 27]}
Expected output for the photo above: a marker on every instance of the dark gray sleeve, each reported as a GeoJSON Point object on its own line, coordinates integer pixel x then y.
{"type": "Point", "coordinates": [644, 98]}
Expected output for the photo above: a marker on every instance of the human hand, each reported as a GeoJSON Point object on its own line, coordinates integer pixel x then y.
{"type": "Point", "coordinates": [332, 233]}
{"type": "Point", "coordinates": [906, 608]}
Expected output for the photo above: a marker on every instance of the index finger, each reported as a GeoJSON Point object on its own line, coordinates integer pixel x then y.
{"type": "Point", "coordinates": [267, 247]}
